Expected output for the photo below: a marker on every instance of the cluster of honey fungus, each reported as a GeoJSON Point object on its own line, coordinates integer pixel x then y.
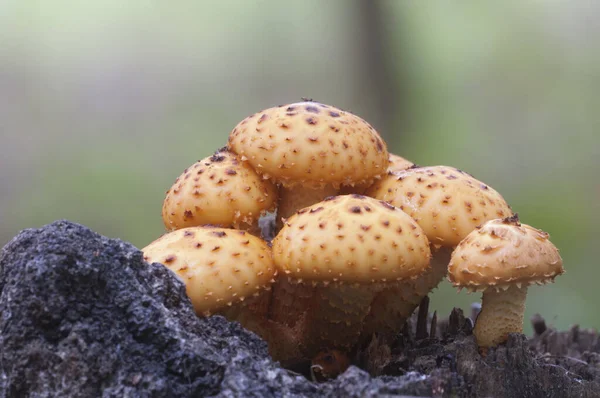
{"type": "Point", "coordinates": [362, 235]}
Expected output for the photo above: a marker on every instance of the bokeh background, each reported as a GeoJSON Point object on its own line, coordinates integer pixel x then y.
{"type": "Point", "coordinates": [104, 103]}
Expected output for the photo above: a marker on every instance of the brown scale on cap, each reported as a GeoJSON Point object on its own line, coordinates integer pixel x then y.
{"type": "Point", "coordinates": [448, 204]}
{"type": "Point", "coordinates": [501, 259]}
{"type": "Point", "coordinates": [348, 247]}
{"type": "Point", "coordinates": [219, 266]}
{"type": "Point", "coordinates": [219, 190]}
{"type": "Point", "coordinates": [310, 144]}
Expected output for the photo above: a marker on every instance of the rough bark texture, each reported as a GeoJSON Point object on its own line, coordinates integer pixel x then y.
{"type": "Point", "coordinates": [83, 315]}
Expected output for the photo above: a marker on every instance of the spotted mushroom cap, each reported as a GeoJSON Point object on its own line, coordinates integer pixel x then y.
{"type": "Point", "coordinates": [310, 144]}
{"type": "Point", "coordinates": [219, 266]}
{"type": "Point", "coordinates": [395, 163]}
{"type": "Point", "coordinates": [446, 202]}
{"type": "Point", "coordinates": [219, 190]}
{"type": "Point", "coordinates": [504, 252]}
{"type": "Point", "coordinates": [398, 163]}
{"type": "Point", "coordinates": [351, 238]}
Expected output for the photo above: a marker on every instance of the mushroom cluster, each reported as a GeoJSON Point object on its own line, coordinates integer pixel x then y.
{"type": "Point", "coordinates": [362, 236]}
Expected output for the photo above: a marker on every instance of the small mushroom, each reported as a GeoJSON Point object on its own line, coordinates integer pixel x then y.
{"type": "Point", "coordinates": [220, 267]}
{"type": "Point", "coordinates": [448, 204]}
{"type": "Point", "coordinates": [501, 259]}
{"type": "Point", "coordinates": [348, 247]}
{"type": "Point", "coordinates": [219, 190]}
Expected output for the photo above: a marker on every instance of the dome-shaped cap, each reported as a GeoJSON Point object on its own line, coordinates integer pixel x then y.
{"type": "Point", "coordinates": [395, 163]}
{"type": "Point", "coordinates": [310, 144]}
{"type": "Point", "coordinates": [398, 163]}
{"type": "Point", "coordinates": [446, 202]}
{"type": "Point", "coordinates": [504, 252]}
{"type": "Point", "coordinates": [219, 266]}
{"type": "Point", "coordinates": [219, 190]}
{"type": "Point", "coordinates": [351, 238]}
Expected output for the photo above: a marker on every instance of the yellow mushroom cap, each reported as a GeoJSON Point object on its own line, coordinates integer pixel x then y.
{"type": "Point", "coordinates": [351, 238]}
{"type": "Point", "coordinates": [398, 163]}
{"type": "Point", "coordinates": [219, 190]}
{"type": "Point", "coordinates": [446, 202]}
{"type": "Point", "coordinates": [310, 144]}
{"type": "Point", "coordinates": [219, 266]}
{"type": "Point", "coordinates": [395, 163]}
{"type": "Point", "coordinates": [504, 252]}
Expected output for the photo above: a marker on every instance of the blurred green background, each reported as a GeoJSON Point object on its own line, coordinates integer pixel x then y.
{"type": "Point", "coordinates": [104, 103]}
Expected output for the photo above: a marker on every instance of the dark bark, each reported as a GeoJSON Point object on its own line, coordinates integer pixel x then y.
{"type": "Point", "coordinates": [83, 315]}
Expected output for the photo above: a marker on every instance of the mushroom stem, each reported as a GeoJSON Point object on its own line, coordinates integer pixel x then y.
{"type": "Point", "coordinates": [289, 300]}
{"type": "Point", "coordinates": [336, 316]}
{"type": "Point", "coordinates": [255, 306]}
{"type": "Point", "coordinates": [283, 341]}
{"type": "Point", "coordinates": [394, 305]}
{"type": "Point", "coordinates": [431, 278]}
{"type": "Point", "coordinates": [251, 227]}
{"type": "Point", "coordinates": [298, 197]}
{"type": "Point", "coordinates": [501, 313]}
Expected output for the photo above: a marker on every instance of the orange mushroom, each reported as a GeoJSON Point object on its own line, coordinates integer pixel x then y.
{"type": "Point", "coordinates": [220, 267]}
{"type": "Point", "coordinates": [219, 190]}
{"type": "Point", "coordinates": [348, 247]}
{"type": "Point", "coordinates": [310, 149]}
{"type": "Point", "coordinates": [448, 204]}
{"type": "Point", "coordinates": [501, 259]}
